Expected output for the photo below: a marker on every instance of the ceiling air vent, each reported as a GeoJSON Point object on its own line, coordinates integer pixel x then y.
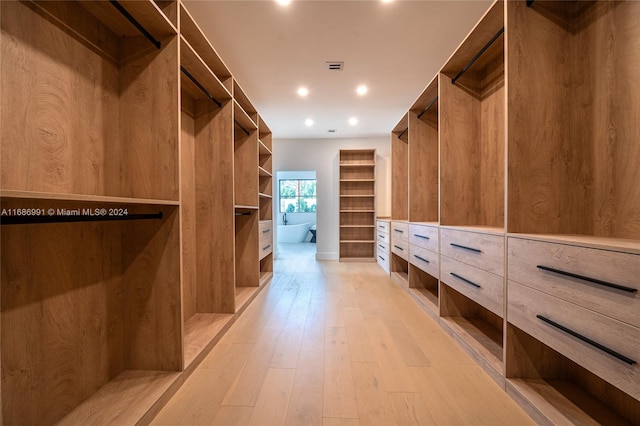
{"type": "Point", "coordinates": [332, 130]}
{"type": "Point", "coordinates": [335, 66]}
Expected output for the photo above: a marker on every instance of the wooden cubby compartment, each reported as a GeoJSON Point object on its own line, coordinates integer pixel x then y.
{"type": "Point", "coordinates": [247, 268]}
{"type": "Point", "coordinates": [400, 170]}
{"type": "Point", "coordinates": [552, 389]}
{"type": "Point", "coordinates": [357, 204]}
{"type": "Point", "coordinates": [81, 99]}
{"type": "Point", "coordinates": [246, 175]}
{"type": "Point", "coordinates": [88, 308]}
{"type": "Point", "coordinates": [399, 269]}
{"type": "Point", "coordinates": [478, 330]}
{"type": "Point", "coordinates": [573, 119]}
{"type": "Point", "coordinates": [423, 156]}
{"type": "Point", "coordinates": [472, 128]}
{"type": "Point", "coordinates": [424, 288]}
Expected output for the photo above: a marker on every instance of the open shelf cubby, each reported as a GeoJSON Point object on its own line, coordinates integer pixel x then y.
{"type": "Point", "coordinates": [425, 289]}
{"type": "Point", "coordinates": [400, 170]}
{"type": "Point", "coordinates": [573, 151]}
{"type": "Point", "coordinates": [478, 330]}
{"type": "Point", "coordinates": [472, 127]}
{"type": "Point", "coordinates": [399, 270]}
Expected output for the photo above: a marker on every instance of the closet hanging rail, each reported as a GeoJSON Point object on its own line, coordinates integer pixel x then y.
{"type": "Point", "coordinates": [530, 3]}
{"type": "Point", "coordinates": [243, 213]}
{"type": "Point", "coordinates": [432, 103]}
{"type": "Point", "coordinates": [403, 132]}
{"type": "Point", "coordinates": [242, 128]}
{"type": "Point", "coordinates": [475, 58]}
{"type": "Point", "coordinates": [135, 23]}
{"type": "Point", "coordinates": [200, 86]}
{"type": "Point", "coordinates": [28, 220]}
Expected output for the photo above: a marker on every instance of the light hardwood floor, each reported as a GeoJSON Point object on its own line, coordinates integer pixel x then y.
{"type": "Point", "coordinates": [331, 343]}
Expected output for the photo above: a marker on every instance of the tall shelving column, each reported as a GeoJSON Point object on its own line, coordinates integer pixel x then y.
{"type": "Point", "coordinates": [357, 205]}
{"type": "Point", "coordinates": [265, 171]}
{"type": "Point", "coordinates": [91, 311]}
{"type": "Point", "coordinates": [398, 260]}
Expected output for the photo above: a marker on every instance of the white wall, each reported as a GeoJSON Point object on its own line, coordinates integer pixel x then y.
{"type": "Point", "coordinates": [321, 155]}
{"type": "Point", "coordinates": [292, 218]}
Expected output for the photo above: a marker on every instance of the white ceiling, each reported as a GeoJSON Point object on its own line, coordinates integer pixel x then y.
{"type": "Point", "coordinates": [394, 48]}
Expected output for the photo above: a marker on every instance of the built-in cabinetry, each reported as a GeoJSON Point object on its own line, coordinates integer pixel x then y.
{"type": "Point", "coordinates": [357, 205]}
{"type": "Point", "coordinates": [383, 243]}
{"type": "Point", "coordinates": [127, 147]}
{"type": "Point", "coordinates": [536, 230]}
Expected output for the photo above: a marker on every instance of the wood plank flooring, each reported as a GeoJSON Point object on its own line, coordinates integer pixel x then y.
{"type": "Point", "coordinates": [331, 343]}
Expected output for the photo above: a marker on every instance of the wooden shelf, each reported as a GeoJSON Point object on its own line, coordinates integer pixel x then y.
{"type": "Point", "coordinates": [357, 241]}
{"type": "Point", "coordinates": [613, 244]}
{"type": "Point", "coordinates": [357, 196]}
{"type": "Point", "coordinates": [357, 180]}
{"type": "Point", "coordinates": [243, 207]}
{"type": "Point", "coordinates": [357, 164]}
{"type": "Point", "coordinates": [263, 148]}
{"type": "Point", "coordinates": [357, 211]}
{"type": "Point", "coordinates": [263, 172]}
{"type": "Point", "coordinates": [32, 195]}
{"type": "Point", "coordinates": [194, 65]}
{"type": "Point", "coordinates": [243, 118]}
{"type": "Point", "coordinates": [492, 230]}
{"type": "Point", "coordinates": [201, 331]}
{"type": "Point", "coordinates": [261, 195]}
{"type": "Point", "coordinates": [243, 101]}
{"type": "Point", "coordinates": [357, 226]}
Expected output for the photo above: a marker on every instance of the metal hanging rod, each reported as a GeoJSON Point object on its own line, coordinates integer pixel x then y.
{"type": "Point", "coordinates": [243, 213]}
{"type": "Point", "coordinates": [403, 132]}
{"type": "Point", "coordinates": [136, 24]}
{"type": "Point", "coordinates": [28, 220]}
{"type": "Point", "coordinates": [475, 58]}
{"type": "Point", "coordinates": [200, 86]}
{"type": "Point", "coordinates": [242, 128]}
{"type": "Point", "coordinates": [530, 3]}
{"type": "Point", "coordinates": [433, 101]}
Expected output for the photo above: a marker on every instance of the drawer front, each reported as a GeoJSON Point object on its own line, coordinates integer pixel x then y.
{"type": "Point", "coordinates": [383, 261]}
{"type": "Point", "coordinates": [529, 260]}
{"type": "Point", "coordinates": [382, 225]}
{"type": "Point", "coordinates": [425, 259]}
{"type": "Point", "coordinates": [524, 306]}
{"type": "Point", "coordinates": [265, 248]}
{"type": "Point", "coordinates": [266, 232]}
{"type": "Point", "coordinates": [424, 236]}
{"type": "Point", "coordinates": [484, 288]}
{"type": "Point", "coordinates": [382, 247]}
{"type": "Point", "coordinates": [483, 251]}
{"type": "Point", "coordinates": [384, 237]}
{"type": "Point", "coordinates": [400, 231]}
{"type": "Point", "coordinates": [265, 225]}
{"type": "Point", "coordinates": [401, 248]}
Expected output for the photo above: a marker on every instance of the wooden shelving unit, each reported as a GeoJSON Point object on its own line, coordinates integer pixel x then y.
{"type": "Point", "coordinates": [132, 251]}
{"type": "Point", "coordinates": [357, 205]}
{"type": "Point", "coordinates": [266, 200]}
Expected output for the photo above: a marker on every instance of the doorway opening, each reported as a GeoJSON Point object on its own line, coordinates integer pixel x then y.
{"type": "Point", "coordinates": [296, 205]}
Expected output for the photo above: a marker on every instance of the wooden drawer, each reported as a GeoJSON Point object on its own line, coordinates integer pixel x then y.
{"type": "Point", "coordinates": [382, 247]}
{"type": "Point", "coordinates": [425, 259]}
{"type": "Point", "coordinates": [484, 251]}
{"type": "Point", "coordinates": [266, 231]}
{"type": "Point", "coordinates": [265, 248]}
{"type": "Point", "coordinates": [424, 236]}
{"type": "Point", "coordinates": [400, 231]}
{"type": "Point", "coordinates": [484, 288]}
{"type": "Point", "coordinates": [383, 261]}
{"type": "Point", "coordinates": [529, 258]}
{"type": "Point", "coordinates": [382, 225]}
{"type": "Point", "coordinates": [526, 304]}
{"type": "Point", "coordinates": [384, 237]}
{"type": "Point", "coordinates": [401, 248]}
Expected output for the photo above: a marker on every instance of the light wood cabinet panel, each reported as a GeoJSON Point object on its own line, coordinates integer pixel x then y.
{"type": "Point", "coordinates": [424, 259]}
{"type": "Point", "coordinates": [400, 248]}
{"type": "Point", "coordinates": [484, 251]}
{"type": "Point", "coordinates": [424, 236]}
{"type": "Point", "coordinates": [399, 231]}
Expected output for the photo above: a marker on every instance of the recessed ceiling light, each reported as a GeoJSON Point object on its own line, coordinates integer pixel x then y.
{"type": "Point", "coordinates": [283, 2]}
{"type": "Point", "coordinates": [308, 122]}
{"type": "Point", "coordinates": [303, 91]}
{"type": "Point", "coordinates": [362, 90]}
{"type": "Point", "coordinates": [387, 1]}
{"type": "Point", "coordinates": [353, 121]}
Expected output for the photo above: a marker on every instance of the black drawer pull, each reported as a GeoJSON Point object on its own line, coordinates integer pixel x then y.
{"type": "Point", "coordinates": [381, 226]}
{"type": "Point", "coordinates": [266, 247]}
{"type": "Point", "coordinates": [383, 259]}
{"type": "Point", "coordinates": [266, 231]}
{"type": "Point", "coordinates": [381, 246]}
{"type": "Point", "coordinates": [587, 340]}
{"type": "Point", "coordinates": [381, 236]}
{"type": "Point", "coordinates": [398, 230]}
{"type": "Point", "coordinates": [424, 237]}
{"type": "Point", "coordinates": [399, 248]}
{"type": "Point", "coordinates": [466, 248]}
{"type": "Point", "coordinates": [421, 258]}
{"type": "Point", "coordinates": [591, 280]}
{"type": "Point", "coordinates": [465, 280]}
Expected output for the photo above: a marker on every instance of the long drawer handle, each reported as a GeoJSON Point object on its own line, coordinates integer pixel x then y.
{"type": "Point", "coordinates": [424, 237]}
{"type": "Point", "coordinates": [266, 231]}
{"type": "Point", "coordinates": [465, 280]}
{"type": "Point", "coordinates": [466, 248]}
{"type": "Point", "coordinates": [381, 236]}
{"type": "Point", "coordinates": [587, 340]}
{"type": "Point", "coordinates": [381, 246]}
{"type": "Point", "coordinates": [381, 226]}
{"type": "Point", "coordinates": [399, 248]}
{"type": "Point", "coordinates": [421, 258]}
{"type": "Point", "coordinates": [383, 259]}
{"type": "Point", "coordinates": [398, 230]}
{"type": "Point", "coordinates": [591, 280]}
{"type": "Point", "coordinates": [266, 247]}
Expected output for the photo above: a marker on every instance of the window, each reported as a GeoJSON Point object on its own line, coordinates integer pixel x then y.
{"type": "Point", "coordinates": [297, 195]}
